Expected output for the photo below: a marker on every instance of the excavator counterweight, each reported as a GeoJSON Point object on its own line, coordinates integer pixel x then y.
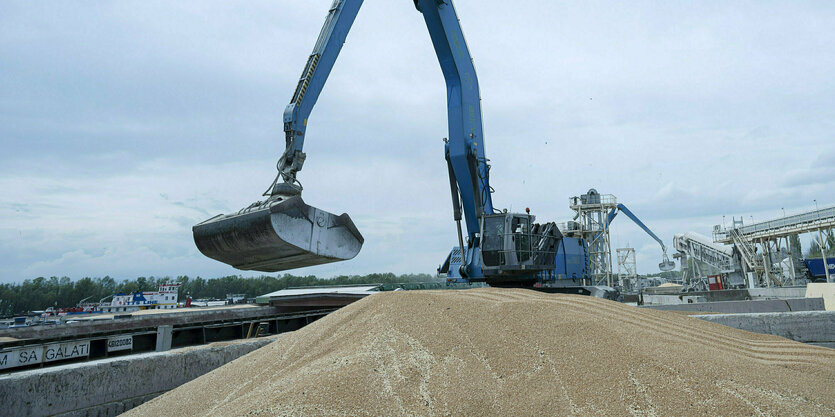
{"type": "Point", "coordinates": [279, 234]}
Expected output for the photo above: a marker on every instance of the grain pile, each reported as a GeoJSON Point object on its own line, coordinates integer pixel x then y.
{"type": "Point", "coordinates": [512, 352]}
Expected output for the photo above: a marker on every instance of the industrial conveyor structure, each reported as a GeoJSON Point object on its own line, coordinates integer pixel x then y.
{"type": "Point", "coordinates": [720, 257]}
{"type": "Point", "coordinates": [763, 246]}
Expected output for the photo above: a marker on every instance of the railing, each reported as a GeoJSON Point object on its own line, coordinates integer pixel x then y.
{"type": "Point", "coordinates": [747, 250]}
{"type": "Point", "coordinates": [709, 255]}
{"type": "Point", "coordinates": [824, 214]}
{"type": "Point", "coordinates": [577, 227]}
{"type": "Point", "coordinates": [599, 199]}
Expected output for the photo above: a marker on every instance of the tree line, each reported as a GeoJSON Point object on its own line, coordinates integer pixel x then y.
{"type": "Point", "coordinates": [828, 243]}
{"type": "Point", "coordinates": [41, 293]}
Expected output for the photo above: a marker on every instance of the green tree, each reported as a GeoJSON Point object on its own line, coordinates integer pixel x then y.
{"type": "Point", "coordinates": [40, 293]}
{"type": "Point", "coordinates": [796, 247]}
{"type": "Point", "coordinates": [84, 288]}
{"type": "Point", "coordinates": [828, 244]}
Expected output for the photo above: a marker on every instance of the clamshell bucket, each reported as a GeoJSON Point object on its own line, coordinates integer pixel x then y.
{"type": "Point", "coordinates": [280, 234]}
{"type": "Point", "coordinates": [666, 264]}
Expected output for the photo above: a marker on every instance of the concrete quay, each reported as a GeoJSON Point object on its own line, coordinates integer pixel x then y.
{"type": "Point", "coordinates": [815, 327]}
{"type": "Point", "coordinates": [112, 386]}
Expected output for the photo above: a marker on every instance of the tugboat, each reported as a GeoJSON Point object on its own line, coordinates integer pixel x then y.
{"type": "Point", "coordinates": [164, 298]}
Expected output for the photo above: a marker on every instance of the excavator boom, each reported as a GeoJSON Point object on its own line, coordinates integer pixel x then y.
{"type": "Point", "coordinates": [666, 264]}
{"type": "Point", "coordinates": [283, 232]}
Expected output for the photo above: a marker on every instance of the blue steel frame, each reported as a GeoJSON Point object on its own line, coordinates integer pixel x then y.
{"type": "Point", "coordinates": [465, 147]}
{"type": "Point", "coordinates": [621, 207]}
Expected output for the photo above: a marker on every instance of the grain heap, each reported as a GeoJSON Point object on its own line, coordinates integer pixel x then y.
{"type": "Point", "coordinates": [512, 352]}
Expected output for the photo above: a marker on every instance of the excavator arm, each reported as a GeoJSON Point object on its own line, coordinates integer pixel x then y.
{"type": "Point", "coordinates": [328, 46]}
{"type": "Point", "coordinates": [666, 264]}
{"type": "Point", "coordinates": [465, 145]}
{"type": "Point", "coordinates": [283, 232]}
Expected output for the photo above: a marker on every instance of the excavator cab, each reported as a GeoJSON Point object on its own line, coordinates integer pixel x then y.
{"type": "Point", "coordinates": [512, 244]}
{"type": "Point", "coordinates": [278, 234]}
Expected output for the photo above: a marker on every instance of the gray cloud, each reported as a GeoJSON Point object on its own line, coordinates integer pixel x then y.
{"type": "Point", "coordinates": [123, 124]}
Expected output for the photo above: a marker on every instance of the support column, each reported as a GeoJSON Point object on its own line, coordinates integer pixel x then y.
{"type": "Point", "coordinates": [823, 255]}
{"type": "Point", "coordinates": [698, 271]}
{"type": "Point", "coordinates": [766, 266]}
{"type": "Point", "coordinates": [779, 254]}
{"type": "Point", "coordinates": [164, 335]}
{"type": "Point", "coordinates": [609, 261]}
{"type": "Point", "coordinates": [791, 259]}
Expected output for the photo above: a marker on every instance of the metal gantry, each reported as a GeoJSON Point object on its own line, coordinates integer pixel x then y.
{"type": "Point", "coordinates": [591, 223]}
{"type": "Point", "coordinates": [763, 246]}
{"type": "Point", "coordinates": [627, 267]}
{"type": "Point", "coordinates": [694, 250]}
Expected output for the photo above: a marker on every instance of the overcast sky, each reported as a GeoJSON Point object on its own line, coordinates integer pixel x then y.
{"type": "Point", "coordinates": [123, 124]}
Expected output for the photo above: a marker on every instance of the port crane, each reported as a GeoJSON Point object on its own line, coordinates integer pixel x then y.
{"type": "Point", "coordinates": [666, 264]}
{"type": "Point", "coordinates": [282, 232]}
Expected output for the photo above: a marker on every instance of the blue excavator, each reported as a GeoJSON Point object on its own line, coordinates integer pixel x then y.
{"type": "Point", "coordinates": [572, 266]}
{"type": "Point", "coordinates": [282, 232]}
